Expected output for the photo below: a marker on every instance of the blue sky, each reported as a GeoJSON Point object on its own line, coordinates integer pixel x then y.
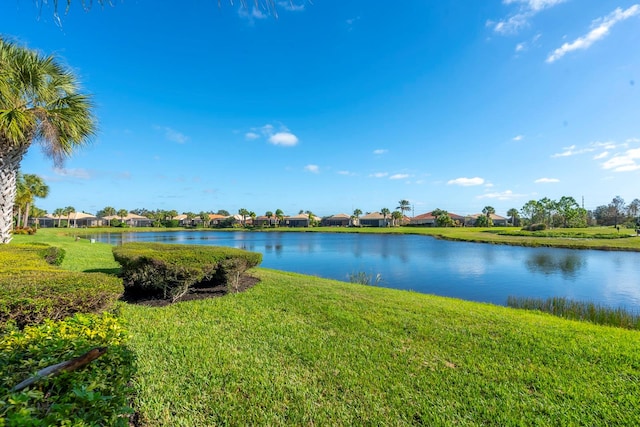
{"type": "Point", "coordinates": [337, 105]}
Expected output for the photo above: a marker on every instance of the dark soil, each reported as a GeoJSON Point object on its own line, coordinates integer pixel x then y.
{"type": "Point", "coordinates": [195, 293]}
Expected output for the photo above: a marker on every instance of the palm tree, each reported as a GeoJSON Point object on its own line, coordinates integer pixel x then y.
{"type": "Point", "coordinates": [68, 211]}
{"type": "Point", "coordinates": [396, 216]}
{"type": "Point", "coordinates": [385, 212]}
{"type": "Point", "coordinates": [34, 186]}
{"type": "Point", "coordinates": [513, 213]}
{"type": "Point", "coordinates": [279, 216]}
{"type": "Point", "coordinates": [244, 213]}
{"type": "Point", "coordinates": [122, 213]}
{"type": "Point", "coordinates": [404, 205]}
{"type": "Point", "coordinates": [269, 215]}
{"type": "Point", "coordinates": [107, 211]}
{"type": "Point", "coordinates": [39, 101]}
{"type": "Point", "coordinates": [21, 197]}
{"type": "Point", "coordinates": [488, 211]}
{"type": "Point", "coordinates": [204, 218]}
{"type": "Point", "coordinates": [58, 213]}
{"type": "Point", "coordinates": [356, 216]}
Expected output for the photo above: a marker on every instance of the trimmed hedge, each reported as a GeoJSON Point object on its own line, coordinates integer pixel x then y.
{"type": "Point", "coordinates": [33, 288]}
{"type": "Point", "coordinates": [168, 271]}
{"type": "Point", "coordinates": [95, 395]}
{"type": "Point", "coordinates": [29, 297]}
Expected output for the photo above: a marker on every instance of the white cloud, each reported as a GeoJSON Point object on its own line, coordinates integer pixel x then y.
{"type": "Point", "coordinates": [286, 139]}
{"type": "Point", "coordinates": [173, 135]}
{"type": "Point", "coordinates": [518, 137]}
{"type": "Point", "coordinates": [72, 173]}
{"type": "Point", "coordinates": [399, 176]}
{"type": "Point", "coordinates": [283, 136]}
{"type": "Point", "coordinates": [346, 173]}
{"type": "Point", "coordinates": [546, 180]}
{"type": "Point", "coordinates": [527, 9]}
{"type": "Point", "coordinates": [380, 151]}
{"type": "Point", "coordinates": [572, 150]}
{"type": "Point", "coordinates": [520, 47]}
{"type": "Point", "coordinates": [312, 168]}
{"type": "Point", "coordinates": [291, 6]}
{"type": "Point", "coordinates": [466, 182]}
{"type": "Point", "coordinates": [379, 175]}
{"type": "Point", "coordinates": [601, 155]}
{"type": "Point", "coordinates": [599, 29]}
{"type": "Point", "coordinates": [505, 195]}
{"type": "Point", "coordinates": [626, 162]}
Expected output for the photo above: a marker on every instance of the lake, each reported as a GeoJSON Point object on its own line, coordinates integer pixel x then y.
{"type": "Point", "coordinates": [471, 271]}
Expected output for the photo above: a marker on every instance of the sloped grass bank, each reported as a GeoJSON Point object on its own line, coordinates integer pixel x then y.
{"type": "Point", "coordinates": [302, 350]}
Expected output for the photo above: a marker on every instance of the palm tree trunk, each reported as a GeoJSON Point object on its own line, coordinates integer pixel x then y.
{"type": "Point", "coordinates": [10, 157]}
{"type": "Point", "coordinates": [25, 220]}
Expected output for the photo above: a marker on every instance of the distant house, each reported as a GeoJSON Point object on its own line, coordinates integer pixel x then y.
{"type": "Point", "coordinates": [429, 220]}
{"type": "Point", "coordinates": [424, 220]}
{"type": "Point", "coordinates": [76, 219]}
{"type": "Point", "coordinates": [498, 221]}
{"type": "Point", "coordinates": [301, 220]}
{"type": "Point", "coordinates": [374, 219]}
{"type": "Point", "coordinates": [215, 219]}
{"type": "Point", "coordinates": [265, 221]}
{"type": "Point", "coordinates": [132, 220]}
{"type": "Point", "coordinates": [338, 220]}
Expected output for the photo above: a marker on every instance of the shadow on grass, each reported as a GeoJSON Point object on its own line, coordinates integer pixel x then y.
{"type": "Point", "coordinates": [111, 271]}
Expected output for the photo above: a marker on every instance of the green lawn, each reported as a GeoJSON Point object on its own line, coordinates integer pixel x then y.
{"type": "Point", "coordinates": [303, 350]}
{"type": "Point", "coordinates": [300, 350]}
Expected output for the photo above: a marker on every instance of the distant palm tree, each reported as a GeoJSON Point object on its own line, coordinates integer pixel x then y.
{"type": "Point", "coordinates": [34, 186]}
{"type": "Point", "coordinates": [513, 213]}
{"type": "Point", "coordinates": [39, 101]}
{"type": "Point", "coordinates": [397, 217]}
{"type": "Point", "coordinates": [58, 213]}
{"type": "Point", "coordinates": [279, 216]}
{"type": "Point", "coordinates": [244, 213]}
{"type": "Point", "coordinates": [204, 217]}
{"type": "Point", "coordinates": [108, 211]}
{"type": "Point", "coordinates": [385, 212]}
{"type": "Point", "coordinates": [356, 216]}
{"type": "Point", "coordinates": [404, 205]}
{"type": "Point", "coordinates": [68, 211]}
{"type": "Point", "coordinates": [122, 213]}
{"type": "Point", "coordinates": [488, 211]}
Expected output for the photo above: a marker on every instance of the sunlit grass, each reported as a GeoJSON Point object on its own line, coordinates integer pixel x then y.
{"type": "Point", "coordinates": [303, 350]}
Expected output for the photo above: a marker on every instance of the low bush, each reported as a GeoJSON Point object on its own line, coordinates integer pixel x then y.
{"type": "Point", "coordinates": [29, 297]}
{"type": "Point", "coordinates": [159, 270]}
{"type": "Point", "coordinates": [24, 230]}
{"type": "Point", "coordinates": [16, 258]}
{"type": "Point", "coordinates": [535, 227]}
{"type": "Point", "coordinates": [96, 394]}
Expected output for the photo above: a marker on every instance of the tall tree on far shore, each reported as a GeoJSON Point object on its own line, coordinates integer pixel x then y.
{"type": "Point", "coordinates": [513, 213]}
{"type": "Point", "coordinates": [488, 211]}
{"type": "Point", "coordinates": [34, 186]}
{"type": "Point", "coordinates": [68, 211]}
{"type": "Point", "coordinates": [385, 213]}
{"type": "Point", "coordinates": [39, 102]}
{"type": "Point", "coordinates": [403, 206]}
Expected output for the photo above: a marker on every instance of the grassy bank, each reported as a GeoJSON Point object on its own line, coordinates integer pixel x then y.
{"type": "Point", "coordinates": [303, 350]}
{"type": "Point", "coordinates": [600, 238]}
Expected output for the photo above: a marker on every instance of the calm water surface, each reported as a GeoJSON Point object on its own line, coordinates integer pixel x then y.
{"type": "Point", "coordinates": [471, 271]}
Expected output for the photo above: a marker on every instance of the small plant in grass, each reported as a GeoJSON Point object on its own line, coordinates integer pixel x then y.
{"type": "Point", "coordinates": [579, 310]}
{"type": "Point", "coordinates": [363, 278]}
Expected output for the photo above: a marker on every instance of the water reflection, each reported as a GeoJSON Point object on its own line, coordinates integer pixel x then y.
{"type": "Point", "coordinates": [568, 265]}
{"type": "Point", "coordinates": [478, 272]}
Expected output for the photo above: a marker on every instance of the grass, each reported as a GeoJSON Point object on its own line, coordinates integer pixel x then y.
{"type": "Point", "coordinates": [303, 350]}
{"type": "Point", "coordinates": [600, 238]}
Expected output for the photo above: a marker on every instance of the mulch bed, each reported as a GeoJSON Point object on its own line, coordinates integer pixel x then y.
{"type": "Point", "coordinates": [246, 282]}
